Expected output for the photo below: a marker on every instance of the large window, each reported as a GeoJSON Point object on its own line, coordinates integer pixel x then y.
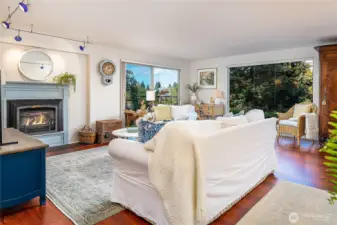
{"type": "Point", "coordinates": [271, 87]}
{"type": "Point", "coordinates": [140, 78]}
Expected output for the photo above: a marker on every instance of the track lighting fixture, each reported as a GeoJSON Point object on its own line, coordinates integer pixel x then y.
{"type": "Point", "coordinates": [18, 38]}
{"type": "Point", "coordinates": [24, 6]}
{"type": "Point", "coordinates": [7, 23]}
{"type": "Point", "coordinates": [82, 47]}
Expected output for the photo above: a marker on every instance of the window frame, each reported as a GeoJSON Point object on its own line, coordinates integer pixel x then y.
{"type": "Point", "coordinates": [314, 65]}
{"type": "Point", "coordinates": [152, 66]}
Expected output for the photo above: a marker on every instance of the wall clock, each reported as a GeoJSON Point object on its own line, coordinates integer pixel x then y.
{"type": "Point", "coordinates": [107, 69]}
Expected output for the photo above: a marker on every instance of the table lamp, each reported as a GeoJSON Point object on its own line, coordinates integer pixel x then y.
{"type": "Point", "coordinates": [150, 97]}
{"type": "Point", "coordinates": [219, 97]}
{"type": "Point", "coordinates": [3, 82]}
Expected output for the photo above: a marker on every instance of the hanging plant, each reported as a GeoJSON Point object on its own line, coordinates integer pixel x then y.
{"type": "Point", "coordinates": [65, 79]}
{"type": "Point", "coordinates": [331, 149]}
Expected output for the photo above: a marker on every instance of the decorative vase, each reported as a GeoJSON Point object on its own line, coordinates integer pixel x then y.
{"type": "Point", "coordinates": [194, 98]}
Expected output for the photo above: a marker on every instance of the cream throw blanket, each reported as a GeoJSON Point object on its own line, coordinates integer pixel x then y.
{"type": "Point", "coordinates": [311, 126]}
{"type": "Point", "coordinates": [176, 172]}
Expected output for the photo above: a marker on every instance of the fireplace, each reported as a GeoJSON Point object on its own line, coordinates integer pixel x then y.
{"type": "Point", "coordinates": [35, 116]}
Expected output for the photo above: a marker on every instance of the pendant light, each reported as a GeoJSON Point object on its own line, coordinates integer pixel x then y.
{"type": "Point", "coordinates": [7, 23]}
{"type": "Point", "coordinates": [24, 6]}
{"type": "Point", "coordinates": [82, 47]}
{"type": "Point", "coordinates": [18, 38]}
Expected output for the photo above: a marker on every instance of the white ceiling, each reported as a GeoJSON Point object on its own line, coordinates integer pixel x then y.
{"type": "Point", "coordinates": [185, 29]}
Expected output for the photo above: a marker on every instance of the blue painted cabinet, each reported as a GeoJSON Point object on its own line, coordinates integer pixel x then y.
{"type": "Point", "coordinates": [22, 177]}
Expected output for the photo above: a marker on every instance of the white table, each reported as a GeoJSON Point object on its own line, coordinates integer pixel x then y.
{"type": "Point", "coordinates": [123, 133]}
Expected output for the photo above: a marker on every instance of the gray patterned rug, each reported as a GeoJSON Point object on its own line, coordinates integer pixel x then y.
{"type": "Point", "coordinates": [290, 203]}
{"type": "Point", "coordinates": [79, 184]}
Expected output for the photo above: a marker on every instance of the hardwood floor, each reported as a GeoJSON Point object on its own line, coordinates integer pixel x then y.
{"type": "Point", "coordinates": [299, 165]}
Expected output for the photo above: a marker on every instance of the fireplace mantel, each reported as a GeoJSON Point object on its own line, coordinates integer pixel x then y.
{"type": "Point", "coordinates": [39, 91]}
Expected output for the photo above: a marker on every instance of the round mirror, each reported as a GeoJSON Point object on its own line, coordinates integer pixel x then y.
{"type": "Point", "coordinates": [36, 65]}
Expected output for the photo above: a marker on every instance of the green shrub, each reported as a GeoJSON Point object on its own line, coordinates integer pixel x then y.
{"type": "Point", "coordinates": [330, 148]}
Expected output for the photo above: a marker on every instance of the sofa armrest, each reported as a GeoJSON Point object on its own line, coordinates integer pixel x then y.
{"type": "Point", "coordinates": [301, 125]}
{"type": "Point", "coordinates": [122, 150]}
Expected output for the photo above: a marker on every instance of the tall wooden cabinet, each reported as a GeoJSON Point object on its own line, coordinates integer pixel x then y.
{"type": "Point", "coordinates": [328, 86]}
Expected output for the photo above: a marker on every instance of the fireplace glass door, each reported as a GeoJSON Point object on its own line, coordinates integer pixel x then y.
{"type": "Point", "coordinates": [37, 120]}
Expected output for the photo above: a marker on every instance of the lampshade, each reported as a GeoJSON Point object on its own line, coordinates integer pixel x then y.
{"type": "Point", "coordinates": [150, 95]}
{"type": "Point", "coordinates": [219, 94]}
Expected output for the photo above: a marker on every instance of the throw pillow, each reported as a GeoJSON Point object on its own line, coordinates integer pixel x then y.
{"type": "Point", "coordinates": [300, 109]}
{"type": "Point", "coordinates": [147, 130]}
{"type": "Point", "coordinates": [255, 115]}
{"type": "Point", "coordinates": [232, 121]}
{"type": "Point", "coordinates": [162, 113]}
{"type": "Point", "coordinates": [182, 112]}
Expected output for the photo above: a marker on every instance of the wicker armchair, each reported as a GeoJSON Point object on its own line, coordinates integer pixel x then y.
{"type": "Point", "coordinates": [294, 128]}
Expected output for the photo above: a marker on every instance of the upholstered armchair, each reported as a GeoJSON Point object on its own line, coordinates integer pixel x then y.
{"type": "Point", "coordinates": [293, 121]}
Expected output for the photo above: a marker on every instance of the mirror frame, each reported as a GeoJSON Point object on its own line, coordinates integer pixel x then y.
{"type": "Point", "coordinates": [36, 50]}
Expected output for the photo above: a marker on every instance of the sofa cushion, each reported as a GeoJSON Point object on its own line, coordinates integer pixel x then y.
{"type": "Point", "coordinates": [301, 109]}
{"type": "Point", "coordinates": [147, 129]}
{"type": "Point", "coordinates": [255, 115]}
{"type": "Point", "coordinates": [182, 112]}
{"type": "Point", "coordinates": [232, 121]}
{"type": "Point", "coordinates": [162, 112]}
{"type": "Point", "coordinates": [179, 112]}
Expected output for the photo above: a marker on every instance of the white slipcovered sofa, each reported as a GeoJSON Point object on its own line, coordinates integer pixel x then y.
{"type": "Point", "coordinates": [235, 159]}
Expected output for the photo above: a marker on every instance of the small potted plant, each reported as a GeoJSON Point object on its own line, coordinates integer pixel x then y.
{"type": "Point", "coordinates": [193, 88]}
{"type": "Point", "coordinates": [65, 79]}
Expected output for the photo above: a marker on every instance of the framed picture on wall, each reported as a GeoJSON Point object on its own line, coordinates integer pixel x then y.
{"type": "Point", "coordinates": [207, 78]}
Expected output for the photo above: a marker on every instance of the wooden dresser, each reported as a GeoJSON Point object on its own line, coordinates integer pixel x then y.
{"type": "Point", "coordinates": [22, 169]}
{"type": "Point", "coordinates": [328, 86]}
{"type": "Point", "coordinates": [209, 111]}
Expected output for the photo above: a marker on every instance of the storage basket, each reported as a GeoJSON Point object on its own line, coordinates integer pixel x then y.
{"type": "Point", "coordinates": [87, 135]}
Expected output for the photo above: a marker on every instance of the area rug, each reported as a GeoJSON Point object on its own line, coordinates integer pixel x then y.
{"type": "Point", "coordinates": [79, 184]}
{"type": "Point", "coordinates": [289, 203]}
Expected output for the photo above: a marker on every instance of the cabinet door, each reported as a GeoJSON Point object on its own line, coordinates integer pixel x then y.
{"type": "Point", "coordinates": [328, 93]}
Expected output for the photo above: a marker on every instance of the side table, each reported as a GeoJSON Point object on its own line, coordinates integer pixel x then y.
{"type": "Point", "coordinates": [22, 169]}
{"type": "Point", "coordinates": [123, 133]}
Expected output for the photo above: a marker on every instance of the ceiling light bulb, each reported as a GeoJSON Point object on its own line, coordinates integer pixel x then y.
{"type": "Point", "coordinates": [23, 6]}
{"type": "Point", "coordinates": [5, 24]}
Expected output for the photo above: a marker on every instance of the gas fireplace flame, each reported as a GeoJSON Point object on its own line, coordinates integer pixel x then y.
{"type": "Point", "coordinates": [36, 120]}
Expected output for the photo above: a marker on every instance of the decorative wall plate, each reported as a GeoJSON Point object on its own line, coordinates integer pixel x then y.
{"type": "Point", "coordinates": [107, 69]}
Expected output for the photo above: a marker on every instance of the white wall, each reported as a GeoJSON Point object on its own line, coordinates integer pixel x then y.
{"type": "Point", "coordinates": [63, 62]}
{"type": "Point", "coordinates": [223, 63]}
{"type": "Point", "coordinates": [92, 100]}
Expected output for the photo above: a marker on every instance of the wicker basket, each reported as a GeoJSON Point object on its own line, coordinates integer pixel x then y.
{"type": "Point", "coordinates": [87, 135]}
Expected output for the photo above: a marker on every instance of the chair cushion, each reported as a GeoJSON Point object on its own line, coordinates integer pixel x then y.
{"type": "Point", "coordinates": [255, 115]}
{"type": "Point", "coordinates": [300, 109]}
{"type": "Point", "coordinates": [292, 123]}
{"type": "Point", "coordinates": [162, 112]}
